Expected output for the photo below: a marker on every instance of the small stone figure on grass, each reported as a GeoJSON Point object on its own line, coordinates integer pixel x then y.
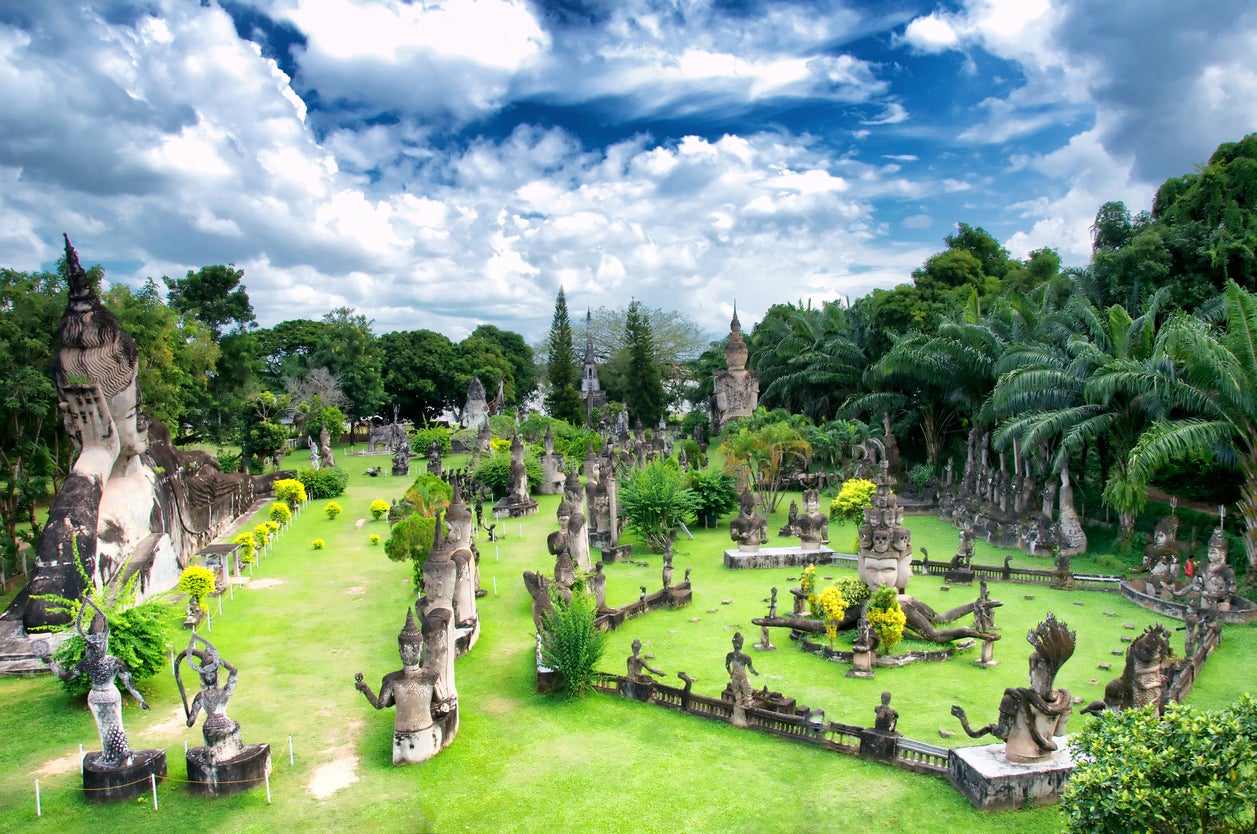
{"type": "Point", "coordinates": [738, 663]}
{"type": "Point", "coordinates": [638, 667]}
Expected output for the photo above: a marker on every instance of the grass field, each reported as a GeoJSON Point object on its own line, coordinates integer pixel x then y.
{"type": "Point", "coordinates": [309, 620]}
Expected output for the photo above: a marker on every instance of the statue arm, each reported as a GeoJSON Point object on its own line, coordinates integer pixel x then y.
{"type": "Point", "coordinates": [125, 675]}
{"type": "Point", "coordinates": [194, 708]}
{"type": "Point", "coordinates": [89, 422]}
{"type": "Point", "coordinates": [230, 686]}
{"type": "Point", "coordinates": [385, 698]}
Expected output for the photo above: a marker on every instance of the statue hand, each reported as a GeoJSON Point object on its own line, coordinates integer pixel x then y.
{"type": "Point", "coordinates": [957, 710]}
{"type": "Point", "coordinates": [143, 704]}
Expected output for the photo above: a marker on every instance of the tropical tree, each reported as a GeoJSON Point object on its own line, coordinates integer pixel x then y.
{"type": "Point", "coordinates": [654, 500]}
{"type": "Point", "coordinates": [1201, 386]}
{"type": "Point", "coordinates": [765, 454]}
{"type": "Point", "coordinates": [809, 359]}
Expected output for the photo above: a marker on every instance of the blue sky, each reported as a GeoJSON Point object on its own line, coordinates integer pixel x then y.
{"type": "Point", "coordinates": [444, 164]}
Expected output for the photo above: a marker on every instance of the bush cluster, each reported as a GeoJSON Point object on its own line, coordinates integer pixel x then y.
{"type": "Point", "coordinates": [328, 482]}
{"type": "Point", "coordinates": [279, 513]}
{"type": "Point", "coordinates": [331, 509]}
{"type": "Point", "coordinates": [290, 491]}
{"type": "Point", "coordinates": [379, 508]}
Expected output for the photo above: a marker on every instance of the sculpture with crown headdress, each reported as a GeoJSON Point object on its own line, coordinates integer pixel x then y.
{"type": "Point", "coordinates": [411, 689]}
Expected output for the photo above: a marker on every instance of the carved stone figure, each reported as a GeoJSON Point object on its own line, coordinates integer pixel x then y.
{"type": "Point", "coordinates": [812, 527]}
{"type": "Point", "coordinates": [1072, 538]}
{"type": "Point", "coordinates": [539, 590]}
{"type": "Point", "coordinates": [788, 529]}
{"type": "Point", "coordinates": [225, 765]}
{"type": "Point", "coordinates": [326, 458]}
{"type": "Point", "coordinates": [748, 528]}
{"type": "Point", "coordinates": [315, 460]}
{"type": "Point", "coordinates": [923, 621]}
{"type": "Point", "coordinates": [222, 734]}
{"type": "Point", "coordinates": [736, 390]}
{"type": "Point", "coordinates": [411, 690]}
{"type": "Point", "coordinates": [1030, 718]}
{"type": "Point", "coordinates": [887, 717]}
{"type": "Point", "coordinates": [638, 668]}
{"type": "Point", "coordinates": [667, 567]}
{"type": "Point", "coordinates": [517, 502]}
{"type": "Point", "coordinates": [1143, 678]}
{"type": "Point", "coordinates": [434, 460]}
{"type": "Point", "coordinates": [597, 582]}
{"type": "Point", "coordinates": [466, 575]}
{"type": "Point", "coordinates": [401, 455]}
{"type": "Point", "coordinates": [104, 700]}
{"type": "Point", "coordinates": [476, 406]}
{"type": "Point", "coordinates": [884, 554]}
{"type": "Point", "coordinates": [738, 663]}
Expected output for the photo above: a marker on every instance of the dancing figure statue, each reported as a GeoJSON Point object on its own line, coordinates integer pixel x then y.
{"type": "Point", "coordinates": [222, 734]}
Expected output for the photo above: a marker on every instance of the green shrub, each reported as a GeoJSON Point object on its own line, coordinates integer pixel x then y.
{"type": "Point", "coordinates": [499, 444]}
{"type": "Point", "coordinates": [331, 509]}
{"type": "Point", "coordinates": [279, 513]}
{"type": "Point", "coordinates": [411, 538]}
{"type": "Point", "coordinates": [422, 439]}
{"type": "Point", "coordinates": [249, 547]}
{"type": "Point", "coordinates": [494, 472]}
{"type": "Point", "coordinates": [196, 581]}
{"type": "Point", "coordinates": [1186, 770]}
{"type": "Point", "coordinates": [375, 539]}
{"type": "Point", "coordinates": [570, 642]}
{"type": "Point", "coordinates": [263, 532]}
{"type": "Point", "coordinates": [290, 491]}
{"type": "Point", "coordinates": [227, 461]}
{"type": "Point", "coordinates": [427, 494]}
{"type": "Point", "coordinates": [328, 482]}
{"type": "Point", "coordinates": [854, 591]}
{"type": "Point", "coordinates": [379, 508]}
{"type": "Point", "coordinates": [919, 477]}
{"type": "Point", "coordinates": [715, 494]}
{"type": "Point", "coordinates": [654, 500]}
{"type": "Point", "coordinates": [832, 608]}
{"type": "Point", "coordinates": [318, 544]}
{"type": "Point", "coordinates": [852, 498]}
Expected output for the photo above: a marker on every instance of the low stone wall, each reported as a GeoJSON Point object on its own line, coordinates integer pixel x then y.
{"type": "Point", "coordinates": [677, 596]}
{"type": "Point", "coordinates": [1242, 610]}
{"type": "Point", "coordinates": [783, 557]}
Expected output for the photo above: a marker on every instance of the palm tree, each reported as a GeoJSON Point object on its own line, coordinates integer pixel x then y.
{"type": "Point", "coordinates": [1047, 394]}
{"type": "Point", "coordinates": [808, 360]}
{"type": "Point", "coordinates": [1204, 383]}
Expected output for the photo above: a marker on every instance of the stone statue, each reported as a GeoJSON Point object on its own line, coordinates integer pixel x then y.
{"type": "Point", "coordinates": [884, 554]}
{"type": "Point", "coordinates": [517, 502]}
{"type": "Point", "coordinates": [466, 574]}
{"type": "Point", "coordinates": [222, 734]}
{"type": "Point", "coordinates": [411, 689]}
{"type": "Point", "coordinates": [434, 460]}
{"type": "Point", "coordinates": [738, 663]}
{"type": "Point", "coordinates": [788, 528]}
{"type": "Point", "coordinates": [104, 700]}
{"type": "Point", "coordinates": [667, 567]}
{"type": "Point", "coordinates": [749, 529]}
{"type": "Point", "coordinates": [1161, 555]}
{"type": "Point", "coordinates": [638, 667]}
{"type": "Point", "coordinates": [326, 459]}
{"type": "Point", "coordinates": [887, 717]}
{"type": "Point", "coordinates": [1030, 718]}
{"type": "Point", "coordinates": [1073, 539]}
{"type": "Point", "coordinates": [597, 582]}
{"type": "Point", "coordinates": [539, 590]}
{"type": "Point", "coordinates": [401, 454]}
{"type": "Point", "coordinates": [1143, 678]}
{"type": "Point", "coordinates": [923, 621]}
{"type": "Point", "coordinates": [1216, 580]}
{"type": "Point", "coordinates": [812, 527]}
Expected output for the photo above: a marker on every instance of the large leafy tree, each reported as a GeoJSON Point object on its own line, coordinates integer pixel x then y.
{"type": "Point", "coordinates": [562, 370]}
{"type": "Point", "coordinates": [518, 353]}
{"type": "Point", "coordinates": [642, 392]}
{"type": "Point", "coordinates": [1201, 383]}
{"type": "Point", "coordinates": [764, 449]}
{"type": "Point", "coordinates": [351, 353]}
{"type": "Point", "coordinates": [420, 373]}
{"type": "Point", "coordinates": [214, 295]}
{"type": "Point", "coordinates": [809, 359]}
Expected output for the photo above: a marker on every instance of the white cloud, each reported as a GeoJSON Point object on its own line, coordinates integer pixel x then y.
{"type": "Point", "coordinates": [932, 33]}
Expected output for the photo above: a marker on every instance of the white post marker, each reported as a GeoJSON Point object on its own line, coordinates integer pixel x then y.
{"type": "Point", "coordinates": [290, 750]}
{"type": "Point", "coordinates": [497, 553]}
{"type": "Point", "coordinates": [220, 602]}
{"type": "Point", "coordinates": [39, 811]}
{"type": "Point", "coordinates": [521, 529]}
{"type": "Point", "coordinates": [81, 758]}
{"type": "Point", "coordinates": [152, 778]}
{"type": "Point", "coordinates": [268, 787]}
{"type": "Point", "coordinates": [495, 586]}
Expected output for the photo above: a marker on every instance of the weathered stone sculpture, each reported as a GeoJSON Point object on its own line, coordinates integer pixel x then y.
{"type": "Point", "coordinates": [411, 689]}
{"type": "Point", "coordinates": [984, 622]}
{"type": "Point", "coordinates": [812, 527]}
{"type": "Point", "coordinates": [476, 407]}
{"type": "Point", "coordinates": [736, 390]}
{"type": "Point", "coordinates": [885, 545]}
{"type": "Point", "coordinates": [1071, 538]}
{"type": "Point", "coordinates": [923, 621]}
{"type": "Point", "coordinates": [1143, 678]}
{"type": "Point", "coordinates": [1216, 580]}
{"type": "Point", "coordinates": [466, 573]}
{"type": "Point", "coordinates": [748, 528]}
{"type": "Point", "coordinates": [434, 460]}
{"type": "Point", "coordinates": [1030, 718]}
{"type": "Point", "coordinates": [738, 663]}
{"type": "Point", "coordinates": [225, 765]}
{"type": "Point", "coordinates": [326, 458]}
{"type": "Point", "coordinates": [638, 683]}
{"type": "Point", "coordinates": [879, 741]}
{"type": "Point", "coordinates": [401, 455]}
{"type": "Point", "coordinates": [111, 774]}
{"type": "Point", "coordinates": [517, 502]}
{"type": "Point", "coordinates": [1161, 556]}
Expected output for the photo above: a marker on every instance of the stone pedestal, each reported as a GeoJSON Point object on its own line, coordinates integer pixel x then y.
{"type": "Point", "coordinates": [958, 576]}
{"type": "Point", "coordinates": [993, 783]}
{"type": "Point", "coordinates": [620, 553]}
{"type": "Point", "coordinates": [777, 557]}
{"type": "Point", "coordinates": [987, 659]}
{"type": "Point", "coordinates": [878, 745]}
{"type": "Point", "coordinates": [115, 784]}
{"type": "Point", "coordinates": [637, 690]}
{"type": "Point", "coordinates": [861, 665]}
{"type": "Point", "coordinates": [237, 775]}
{"type": "Point", "coordinates": [510, 508]}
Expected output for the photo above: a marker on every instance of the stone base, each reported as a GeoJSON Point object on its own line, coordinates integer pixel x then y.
{"type": "Point", "coordinates": [879, 745]}
{"type": "Point", "coordinates": [242, 773]}
{"type": "Point", "coordinates": [959, 576]}
{"type": "Point", "coordinates": [620, 553]}
{"type": "Point", "coordinates": [510, 509]}
{"type": "Point", "coordinates": [115, 784]}
{"type": "Point", "coordinates": [992, 783]}
{"type": "Point", "coordinates": [679, 597]}
{"type": "Point", "coordinates": [413, 748]}
{"type": "Point", "coordinates": [637, 691]}
{"type": "Point", "coordinates": [778, 557]}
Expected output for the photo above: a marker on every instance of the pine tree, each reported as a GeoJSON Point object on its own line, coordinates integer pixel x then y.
{"type": "Point", "coordinates": [644, 397]}
{"type": "Point", "coordinates": [562, 371]}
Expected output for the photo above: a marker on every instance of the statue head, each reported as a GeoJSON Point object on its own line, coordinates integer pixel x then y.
{"type": "Point", "coordinates": [410, 641]}
{"type": "Point", "coordinates": [1165, 531]}
{"type": "Point", "coordinates": [881, 539]}
{"type": "Point", "coordinates": [747, 502]}
{"type": "Point", "coordinates": [811, 500]}
{"type": "Point", "coordinates": [1217, 547]}
{"type": "Point", "coordinates": [737, 641]}
{"type": "Point", "coordinates": [637, 647]}
{"type": "Point", "coordinates": [97, 634]}
{"type": "Point", "coordinates": [1053, 644]}
{"type": "Point", "coordinates": [866, 536]}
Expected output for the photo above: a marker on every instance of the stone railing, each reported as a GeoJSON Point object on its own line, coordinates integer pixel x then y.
{"type": "Point", "coordinates": [1024, 576]}
{"type": "Point", "coordinates": [676, 596]}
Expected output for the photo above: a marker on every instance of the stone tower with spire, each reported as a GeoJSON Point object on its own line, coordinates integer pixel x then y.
{"type": "Point", "coordinates": [736, 389]}
{"type": "Point", "coordinates": [590, 388]}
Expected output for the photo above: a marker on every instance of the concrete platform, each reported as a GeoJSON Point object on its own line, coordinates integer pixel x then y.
{"type": "Point", "coordinates": [993, 783]}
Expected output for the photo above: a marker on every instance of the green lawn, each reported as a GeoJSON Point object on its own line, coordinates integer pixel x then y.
{"type": "Point", "coordinates": [523, 762]}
